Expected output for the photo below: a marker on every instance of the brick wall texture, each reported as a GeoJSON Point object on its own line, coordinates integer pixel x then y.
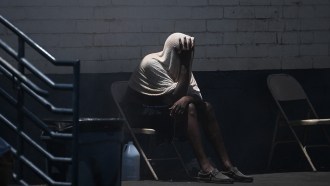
{"type": "Point", "coordinates": [114, 35]}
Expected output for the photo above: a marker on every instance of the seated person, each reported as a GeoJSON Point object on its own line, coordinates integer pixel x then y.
{"type": "Point", "coordinates": [164, 82]}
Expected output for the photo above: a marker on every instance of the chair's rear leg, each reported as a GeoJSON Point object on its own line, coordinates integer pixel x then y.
{"type": "Point", "coordinates": [270, 157]}
{"type": "Point", "coordinates": [326, 135]}
{"type": "Point", "coordinates": [303, 149]}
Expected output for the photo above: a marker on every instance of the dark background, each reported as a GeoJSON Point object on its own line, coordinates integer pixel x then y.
{"type": "Point", "coordinates": [244, 107]}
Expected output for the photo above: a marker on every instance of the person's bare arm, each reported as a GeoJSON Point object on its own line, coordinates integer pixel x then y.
{"type": "Point", "coordinates": [185, 52]}
{"type": "Point", "coordinates": [179, 95]}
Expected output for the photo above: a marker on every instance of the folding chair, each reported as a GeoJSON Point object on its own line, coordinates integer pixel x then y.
{"type": "Point", "coordinates": [287, 92]}
{"type": "Point", "coordinates": [118, 90]}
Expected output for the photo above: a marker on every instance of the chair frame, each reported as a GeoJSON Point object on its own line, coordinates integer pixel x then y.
{"type": "Point", "coordinates": [147, 131]}
{"type": "Point", "coordinates": [284, 87]}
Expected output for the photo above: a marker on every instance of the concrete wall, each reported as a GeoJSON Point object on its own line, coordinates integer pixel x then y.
{"type": "Point", "coordinates": [113, 35]}
{"type": "Point", "coordinates": [244, 40]}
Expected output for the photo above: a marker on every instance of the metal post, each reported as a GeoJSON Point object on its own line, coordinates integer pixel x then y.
{"type": "Point", "coordinates": [75, 159]}
{"type": "Point", "coordinates": [20, 103]}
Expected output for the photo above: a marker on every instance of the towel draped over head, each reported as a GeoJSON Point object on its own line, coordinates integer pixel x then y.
{"type": "Point", "coordinates": [158, 73]}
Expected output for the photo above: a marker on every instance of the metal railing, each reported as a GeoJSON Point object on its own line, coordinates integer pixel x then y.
{"type": "Point", "coordinates": [24, 85]}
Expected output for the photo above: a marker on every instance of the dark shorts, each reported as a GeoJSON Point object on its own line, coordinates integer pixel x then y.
{"type": "Point", "coordinates": [144, 111]}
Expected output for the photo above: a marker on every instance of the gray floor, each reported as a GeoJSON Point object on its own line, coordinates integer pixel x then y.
{"type": "Point", "coordinates": [274, 179]}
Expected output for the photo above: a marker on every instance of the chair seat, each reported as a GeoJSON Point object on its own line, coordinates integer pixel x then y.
{"type": "Point", "coordinates": [310, 122]}
{"type": "Point", "coordinates": [147, 131]}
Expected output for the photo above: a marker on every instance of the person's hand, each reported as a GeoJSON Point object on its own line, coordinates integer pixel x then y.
{"type": "Point", "coordinates": [185, 50]}
{"type": "Point", "coordinates": [179, 107]}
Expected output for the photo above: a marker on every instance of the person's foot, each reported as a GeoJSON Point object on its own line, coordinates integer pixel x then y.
{"type": "Point", "coordinates": [213, 176]}
{"type": "Point", "coordinates": [236, 175]}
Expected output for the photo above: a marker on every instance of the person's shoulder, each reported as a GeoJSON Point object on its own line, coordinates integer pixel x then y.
{"type": "Point", "coordinates": [151, 57]}
{"type": "Point", "coordinates": [149, 60]}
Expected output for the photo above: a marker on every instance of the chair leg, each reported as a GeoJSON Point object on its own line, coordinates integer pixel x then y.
{"type": "Point", "coordinates": [180, 158]}
{"type": "Point", "coordinates": [326, 135]}
{"type": "Point", "coordinates": [270, 157]}
{"type": "Point", "coordinates": [303, 150]}
{"type": "Point", "coordinates": [142, 153]}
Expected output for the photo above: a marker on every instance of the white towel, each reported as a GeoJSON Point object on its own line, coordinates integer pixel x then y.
{"type": "Point", "coordinates": [158, 73]}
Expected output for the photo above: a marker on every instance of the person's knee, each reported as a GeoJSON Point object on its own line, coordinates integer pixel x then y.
{"type": "Point", "coordinates": [208, 107]}
{"type": "Point", "coordinates": [192, 111]}
{"type": "Point", "coordinates": [209, 113]}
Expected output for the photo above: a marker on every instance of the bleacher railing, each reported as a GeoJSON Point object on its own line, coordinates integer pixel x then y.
{"type": "Point", "coordinates": [25, 85]}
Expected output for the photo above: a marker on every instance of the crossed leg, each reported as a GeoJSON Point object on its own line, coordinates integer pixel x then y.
{"type": "Point", "coordinates": [205, 113]}
{"type": "Point", "coordinates": [212, 129]}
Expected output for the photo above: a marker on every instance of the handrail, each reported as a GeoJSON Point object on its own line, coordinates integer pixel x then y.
{"type": "Point", "coordinates": [30, 87]}
{"type": "Point", "coordinates": [31, 141]}
{"type": "Point", "coordinates": [34, 70]}
{"type": "Point", "coordinates": [45, 102]}
{"type": "Point", "coordinates": [34, 45]}
{"type": "Point", "coordinates": [36, 170]}
{"type": "Point", "coordinates": [24, 85]}
{"type": "Point", "coordinates": [11, 72]}
{"type": "Point", "coordinates": [36, 120]}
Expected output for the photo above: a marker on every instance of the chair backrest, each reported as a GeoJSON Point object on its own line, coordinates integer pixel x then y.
{"type": "Point", "coordinates": [285, 88]}
{"type": "Point", "coordinates": [118, 90]}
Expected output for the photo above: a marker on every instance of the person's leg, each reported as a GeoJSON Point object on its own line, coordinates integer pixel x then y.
{"type": "Point", "coordinates": [208, 172]}
{"type": "Point", "coordinates": [214, 134]}
{"type": "Point", "coordinates": [194, 136]}
{"type": "Point", "coordinates": [213, 131]}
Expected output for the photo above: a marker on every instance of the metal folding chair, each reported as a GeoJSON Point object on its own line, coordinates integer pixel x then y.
{"type": "Point", "coordinates": [296, 110]}
{"type": "Point", "coordinates": [118, 90]}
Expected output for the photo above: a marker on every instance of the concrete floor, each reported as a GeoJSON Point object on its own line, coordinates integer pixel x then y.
{"type": "Point", "coordinates": [274, 179]}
